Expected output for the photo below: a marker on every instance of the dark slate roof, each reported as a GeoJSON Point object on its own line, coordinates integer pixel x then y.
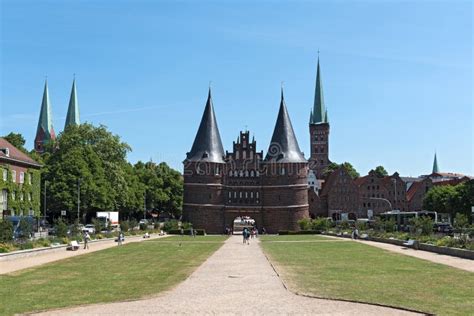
{"type": "Point", "coordinates": [207, 146]}
{"type": "Point", "coordinates": [284, 146]}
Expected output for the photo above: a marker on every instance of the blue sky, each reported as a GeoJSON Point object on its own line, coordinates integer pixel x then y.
{"type": "Point", "coordinates": [397, 75]}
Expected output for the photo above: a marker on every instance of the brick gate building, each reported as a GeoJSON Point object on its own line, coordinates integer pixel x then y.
{"type": "Point", "coordinates": [218, 186]}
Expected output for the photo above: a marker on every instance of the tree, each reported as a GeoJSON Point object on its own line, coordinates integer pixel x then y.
{"type": "Point", "coordinates": [92, 160]}
{"type": "Point", "coordinates": [6, 231]}
{"type": "Point", "coordinates": [381, 172]}
{"type": "Point", "coordinates": [348, 166]}
{"type": "Point", "coordinates": [16, 140]}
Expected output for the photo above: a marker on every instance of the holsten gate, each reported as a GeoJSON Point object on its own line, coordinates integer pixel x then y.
{"type": "Point", "coordinates": [220, 186]}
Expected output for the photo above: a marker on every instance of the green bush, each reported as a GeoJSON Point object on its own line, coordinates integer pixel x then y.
{"type": "Point", "coordinates": [124, 226]}
{"type": "Point", "coordinates": [133, 223]}
{"type": "Point", "coordinates": [97, 225]}
{"type": "Point", "coordinates": [344, 225]}
{"type": "Point", "coordinates": [461, 221]}
{"type": "Point", "coordinates": [170, 225]}
{"type": "Point", "coordinates": [143, 226]}
{"type": "Point", "coordinates": [320, 223]}
{"type": "Point", "coordinates": [61, 228]}
{"type": "Point", "coordinates": [6, 231]}
{"type": "Point", "coordinates": [6, 247]}
{"type": "Point", "coordinates": [26, 245]}
{"type": "Point", "coordinates": [25, 228]}
{"type": "Point", "coordinates": [422, 225]}
{"type": "Point", "coordinates": [304, 223]}
{"type": "Point", "coordinates": [75, 231]}
{"type": "Point", "coordinates": [42, 242]}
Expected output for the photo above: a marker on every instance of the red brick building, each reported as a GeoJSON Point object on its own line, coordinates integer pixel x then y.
{"type": "Point", "coordinates": [19, 182]}
{"type": "Point", "coordinates": [220, 187]}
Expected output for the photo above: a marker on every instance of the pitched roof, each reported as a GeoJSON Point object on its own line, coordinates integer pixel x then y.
{"type": "Point", "coordinates": [435, 165]}
{"type": "Point", "coordinates": [72, 117]}
{"type": "Point", "coordinates": [45, 130]}
{"type": "Point", "coordinates": [15, 155]}
{"type": "Point", "coordinates": [360, 181]}
{"type": "Point", "coordinates": [414, 187]}
{"type": "Point", "coordinates": [207, 146]}
{"type": "Point", "coordinates": [319, 110]}
{"type": "Point", "coordinates": [284, 146]}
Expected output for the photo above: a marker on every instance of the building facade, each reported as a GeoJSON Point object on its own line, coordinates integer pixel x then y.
{"type": "Point", "coordinates": [19, 183]}
{"type": "Point", "coordinates": [220, 187]}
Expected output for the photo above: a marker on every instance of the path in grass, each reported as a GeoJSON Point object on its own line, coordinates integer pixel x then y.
{"type": "Point", "coordinates": [460, 263]}
{"type": "Point", "coordinates": [131, 271]}
{"type": "Point", "coordinates": [355, 271]}
{"type": "Point", "coordinates": [9, 264]}
{"type": "Point", "coordinates": [236, 279]}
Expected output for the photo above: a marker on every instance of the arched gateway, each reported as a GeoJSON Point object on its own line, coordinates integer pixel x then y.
{"type": "Point", "coordinates": [218, 186]}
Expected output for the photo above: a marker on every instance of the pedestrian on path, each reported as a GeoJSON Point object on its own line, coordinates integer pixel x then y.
{"type": "Point", "coordinates": [120, 238]}
{"type": "Point", "coordinates": [86, 240]}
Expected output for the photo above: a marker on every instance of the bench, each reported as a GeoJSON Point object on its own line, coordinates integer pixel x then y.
{"type": "Point", "coordinates": [411, 243]}
{"type": "Point", "coordinates": [73, 245]}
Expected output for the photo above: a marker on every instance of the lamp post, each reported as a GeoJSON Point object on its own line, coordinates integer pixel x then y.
{"type": "Point", "coordinates": [78, 197]}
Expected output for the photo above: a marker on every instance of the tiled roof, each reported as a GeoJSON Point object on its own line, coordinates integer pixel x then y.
{"type": "Point", "coordinates": [15, 154]}
{"type": "Point", "coordinates": [413, 189]}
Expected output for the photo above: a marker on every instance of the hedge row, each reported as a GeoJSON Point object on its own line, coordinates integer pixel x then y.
{"type": "Point", "coordinates": [200, 232]}
{"type": "Point", "coordinates": [299, 232]}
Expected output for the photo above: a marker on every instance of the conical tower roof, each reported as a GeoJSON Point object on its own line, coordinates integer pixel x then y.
{"type": "Point", "coordinates": [72, 117]}
{"type": "Point", "coordinates": [319, 109]}
{"type": "Point", "coordinates": [207, 146]}
{"type": "Point", "coordinates": [435, 165]}
{"type": "Point", "coordinates": [45, 131]}
{"type": "Point", "coordinates": [284, 146]}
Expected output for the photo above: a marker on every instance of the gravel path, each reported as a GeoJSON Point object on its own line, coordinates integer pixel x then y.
{"type": "Point", "coordinates": [236, 280]}
{"type": "Point", "coordinates": [8, 265]}
{"type": "Point", "coordinates": [460, 263]}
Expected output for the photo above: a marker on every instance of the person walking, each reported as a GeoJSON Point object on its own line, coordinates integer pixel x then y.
{"type": "Point", "coordinates": [86, 240]}
{"type": "Point", "coordinates": [120, 238]}
{"type": "Point", "coordinates": [244, 235]}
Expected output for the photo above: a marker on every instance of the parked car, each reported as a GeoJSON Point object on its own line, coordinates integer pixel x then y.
{"type": "Point", "coordinates": [89, 228]}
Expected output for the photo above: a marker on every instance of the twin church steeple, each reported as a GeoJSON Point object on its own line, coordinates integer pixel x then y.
{"type": "Point", "coordinates": [45, 131]}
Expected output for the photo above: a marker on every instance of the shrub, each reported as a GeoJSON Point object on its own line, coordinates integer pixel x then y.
{"type": "Point", "coordinates": [124, 226]}
{"type": "Point", "coordinates": [320, 223]}
{"type": "Point", "coordinates": [461, 221]}
{"type": "Point", "coordinates": [422, 225]}
{"type": "Point", "coordinates": [344, 225]}
{"type": "Point", "coordinates": [133, 223]}
{"type": "Point", "coordinates": [26, 245]}
{"type": "Point", "coordinates": [304, 223]}
{"type": "Point", "coordinates": [42, 242]}
{"type": "Point", "coordinates": [97, 225]}
{"type": "Point", "coordinates": [4, 247]}
{"type": "Point", "coordinates": [25, 228]}
{"type": "Point", "coordinates": [157, 225]}
{"type": "Point", "coordinates": [143, 226]}
{"type": "Point", "coordinates": [6, 231]}
{"type": "Point", "coordinates": [171, 224]}
{"type": "Point", "coordinates": [61, 228]}
{"type": "Point", "coordinates": [75, 228]}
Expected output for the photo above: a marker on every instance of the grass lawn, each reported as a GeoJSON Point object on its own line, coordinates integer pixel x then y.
{"type": "Point", "coordinates": [354, 271]}
{"type": "Point", "coordinates": [115, 274]}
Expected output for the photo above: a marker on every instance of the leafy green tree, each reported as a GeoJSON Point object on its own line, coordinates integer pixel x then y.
{"type": "Point", "coordinates": [441, 199]}
{"type": "Point", "coordinates": [380, 171]}
{"type": "Point", "coordinates": [348, 166]}
{"type": "Point", "coordinates": [6, 231]}
{"type": "Point", "coordinates": [461, 221]}
{"type": "Point", "coordinates": [422, 225]}
{"type": "Point", "coordinates": [16, 140]}
{"type": "Point", "coordinates": [90, 160]}
{"type": "Point", "coordinates": [163, 186]}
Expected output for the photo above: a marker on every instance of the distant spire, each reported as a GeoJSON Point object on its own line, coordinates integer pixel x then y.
{"type": "Point", "coordinates": [45, 131]}
{"type": "Point", "coordinates": [326, 119]}
{"type": "Point", "coordinates": [435, 165]}
{"type": "Point", "coordinates": [310, 116]}
{"type": "Point", "coordinates": [284, 146]}
{"type": "Point", "coordinates": [319, 107]}
{"type": "Point", "coordinates": [72, 117]}
{"type": "Point", "coordinates": [207, 146]}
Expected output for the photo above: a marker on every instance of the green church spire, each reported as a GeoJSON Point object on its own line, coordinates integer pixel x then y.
{"type": "Point", "coordinates": [435, 165]}
{"type": "Point", "coordinates": [319, 110]}
{"type": "Point", "coordinates": [45, 131]}
{"type": "Point", "coordinates": [72, 117]}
